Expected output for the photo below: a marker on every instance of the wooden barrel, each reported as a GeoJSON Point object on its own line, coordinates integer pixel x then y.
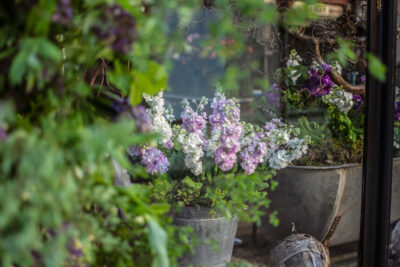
{"type": "Point", "coordinates": [299, 250]}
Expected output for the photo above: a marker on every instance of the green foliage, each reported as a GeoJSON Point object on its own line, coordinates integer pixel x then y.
{"type": "Point", "coordinates": [62, 85]}
{"type": "Point", "coordinates": [376, 68]}
{"type": "Point", "coordinates": [61, 133]}
{"type": "Point", "coordinates": [326, 148]}
{"type": "Point", "coordinates": [300, 15]}
{"type": "Point", "coordinates": [317, 132]}
{"type": "Point", "coordinates": [343, 53]}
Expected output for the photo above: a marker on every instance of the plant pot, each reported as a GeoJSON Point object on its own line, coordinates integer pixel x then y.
{"type": "Point", "coordinates": [315, 200]}
{"type": "Point", "coordinates": [207, 229]}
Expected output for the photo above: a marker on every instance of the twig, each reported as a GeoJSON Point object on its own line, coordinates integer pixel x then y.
{"type": "Point", "coordinates": [336, 77]}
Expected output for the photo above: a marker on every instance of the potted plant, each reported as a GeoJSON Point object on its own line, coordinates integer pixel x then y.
{"type": "Point", "coordinates": [328, 178]}
{"type": "Point", "coordinates": [214, 169]}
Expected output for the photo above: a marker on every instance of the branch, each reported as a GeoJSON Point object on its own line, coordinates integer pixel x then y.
{"type": "Point", "coordinates": [336, 77]}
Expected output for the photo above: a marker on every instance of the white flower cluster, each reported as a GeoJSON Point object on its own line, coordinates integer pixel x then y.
{"type": "Point", "coordinates": [213, 143]}
{"type": "Point", "coordinates": [248, 134]}
{"type": "Point", "coordinates": [289, 149]}
{"type": "Point", "coordinates": [336, 67]}
{"type": "Point", "coordinates": [192, 146]}
{"type": "Point", "coordinates": [340, 98]}
{"type": "Point", "coordinates": [295, 149]}
{"type": "Point", "coordinates": [159, 116]}
{"type": "Point", "coordinates": [293, 61]}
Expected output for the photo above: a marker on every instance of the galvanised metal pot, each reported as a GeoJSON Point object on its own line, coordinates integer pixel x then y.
{"type": "Point", "coordinates": [315, 200]}
{"type": "Point", "coordinates": [208, 229]}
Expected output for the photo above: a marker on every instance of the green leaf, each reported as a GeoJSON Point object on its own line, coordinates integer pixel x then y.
{"type": "Point", "coordinates": [149, 81]}
{"type": "Point", "coordinates": [376, 67]}
{"type": "Point", "coordinates": [158, 242]}
{"type": "Point", "coordinates": [189, 182]}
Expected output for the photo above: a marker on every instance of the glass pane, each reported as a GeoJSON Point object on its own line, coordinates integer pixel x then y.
{"type": "Point", "coordinates": [395, 205]}
{"type": "Point", "coordinates": [283, 76]}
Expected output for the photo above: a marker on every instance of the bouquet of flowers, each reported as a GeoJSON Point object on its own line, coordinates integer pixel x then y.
{"type": "Point", "coordinates": [207, 149]}
{"type": "Point", "coordinates": [309, 89]}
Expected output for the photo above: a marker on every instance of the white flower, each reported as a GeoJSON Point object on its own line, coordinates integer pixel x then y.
{"type": "Point", "coordinates": [336, 67]}
{"type": "Point", "coordinates": [279, 160]}
{"type": "Point", "coordinates": [192, 146]}
{"type": "Point", "coordinates": [213, 143]}
{"type": "Point", "coordinates": [159, 117]}
{"type": "Point", "coordinates": [341, 99]}
{"type": "Point", "coordinates": [293, 61]}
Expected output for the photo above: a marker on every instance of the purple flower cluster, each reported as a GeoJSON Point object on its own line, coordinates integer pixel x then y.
{"type": "Point", "coordinates": [117, 28]}
{"type": "Point", "coordinates": [155, 161]}
{"type": "Point", "coordinates": [226, 118]}
{"type": "Point", "coordinates": [358, 101]}
{"type": "Point", "coordinates": [319, 82]}
{"type": "Point", "coordinates": [193, 122]}
{"type": "Point", "coordinates": [363, 79]}
{"type": "Point", "coordinates": [143, 122]}
{"type": "Point", "coordinates": [397, 111]}
{"type": "Point", "coordinates": [274, 96]}
{"type": "Point", "coordinates": [63, 12]}
{"type": "Point", "coordinates": [273, 125]}
{"type": "Point", "coordinates": [253, 154]}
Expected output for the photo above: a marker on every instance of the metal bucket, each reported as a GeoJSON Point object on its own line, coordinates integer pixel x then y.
{"type": "Point", "coordinates": [313, 200]}
{"type": "Point", "coordinates": [208, 229]}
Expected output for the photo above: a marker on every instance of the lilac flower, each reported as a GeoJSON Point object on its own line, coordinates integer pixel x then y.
{"type": "Point", "coordinates": [226, 121]}
{"type": "Point", "coordinates": [253, 155]}
{"type": "Point", "coordinates": [192, 121]}
{"type": "Point", "coordinates": [191, 136]}
{"type": "Point", "coordinates": [155, 161]}
{"type": "Point", "coordinates": [358, 101]}
{"type": "Point", "coordinates": [63, 12]}
{"type": "Point", "coordinates": [143, 122]}
{"type": "Point", "coordinates": [225, 159]}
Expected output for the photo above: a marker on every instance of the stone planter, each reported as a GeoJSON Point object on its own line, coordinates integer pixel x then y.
{"type": "Point", "coordinates": [208, 229]}
{"type": "Point", "coordinates": [313, 199]}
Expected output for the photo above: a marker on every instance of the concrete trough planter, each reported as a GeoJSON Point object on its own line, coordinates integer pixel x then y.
{"type": "Point", "coordinates": [314, 200]}
{"type": "Point", "coordinates": [206, 229]}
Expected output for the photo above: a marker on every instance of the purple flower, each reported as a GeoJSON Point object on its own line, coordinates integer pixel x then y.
{"type": "Point", "coordinates": [226, 118]}
{"type": "Point", "coordinates": [225, 159]}
{"type": "Point", "coordinates": [192, 121]}
{"type": "Point", "coordinates": [169, 145]}
{"type": "Point", "coordinates": [319, 82]}
{"type": "Point", "coordinates": [143, 122]}
{"type": "Point", "coordinates": [327, 68]}
{"type": "Point", "coordinates": [273, 124]}
{"type": "Point", "coordinates": [74, 251]}
{"type": "Point", "coordinates": [120, 106]}
{"type": "Point", "coordinates": [63, 12]}
{"type": "Point", "coordinates": [155, 161]}
{"type": "Point", "coordinates": [253, 155]}
{"type": "Point", "coordinates": [358, 101]}
{"type": "Point", "coordinates": [363, 79]}
{"type": "Point", "coordinates": [136, 151]}
{"type": "Point", "coordinates": [397, 111]}
{"type": "Point", "coordinates": [274, 96]}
